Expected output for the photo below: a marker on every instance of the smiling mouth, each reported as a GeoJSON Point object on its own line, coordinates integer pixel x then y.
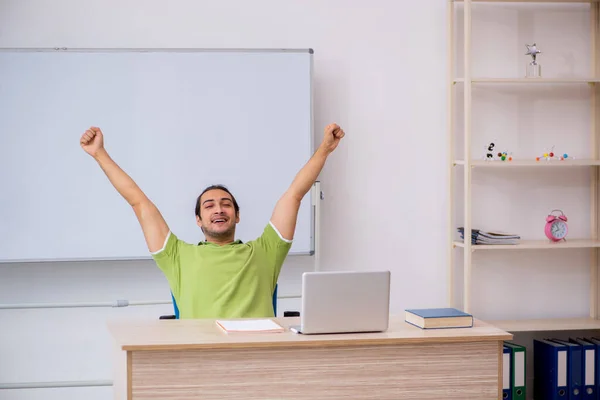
{"type": "Point", "coordinates": [219, 221]}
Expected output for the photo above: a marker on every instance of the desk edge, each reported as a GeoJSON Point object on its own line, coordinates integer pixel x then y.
{"type": "Point", "coordinates": [354, 342]}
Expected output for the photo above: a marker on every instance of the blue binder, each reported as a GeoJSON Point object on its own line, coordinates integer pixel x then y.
{"type": "Point", "coordinates": [574, 368]}
{"type": "Point", "coordinates": [506, 365]}
{"type": "Point", "coordinates": [589, 371]}
{"type": "Point", "coordinates": [550, 370]}
{"type": "Point", "coordinates": [596, 342]}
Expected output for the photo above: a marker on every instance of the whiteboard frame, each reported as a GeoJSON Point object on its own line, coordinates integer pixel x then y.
{"type": "Point", "coordinates": [315, 192]}
{"type": "Point", "coordinates": [155, 50]}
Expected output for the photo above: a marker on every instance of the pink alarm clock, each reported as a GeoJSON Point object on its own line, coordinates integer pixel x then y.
{"type": "Point", "coordinates": [556, 226]}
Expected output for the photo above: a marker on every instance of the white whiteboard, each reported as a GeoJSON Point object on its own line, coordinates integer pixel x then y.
{"type": "Point", "coordinates": [175, 120]}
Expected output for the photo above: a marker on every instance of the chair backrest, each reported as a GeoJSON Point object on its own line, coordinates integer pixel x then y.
{"type": "Point", "coordinates": [176, 309]}
{"type": "Point", "coordinates": [275, 301]}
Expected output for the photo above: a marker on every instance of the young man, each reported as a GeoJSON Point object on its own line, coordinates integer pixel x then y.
{"type": "Point", "coordinates": [220, 277]}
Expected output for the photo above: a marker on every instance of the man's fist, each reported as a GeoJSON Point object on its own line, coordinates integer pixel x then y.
{"type": "Point", "coordinates": [333, 135]}
{"type": "Point", "coordinates": [92, 141]}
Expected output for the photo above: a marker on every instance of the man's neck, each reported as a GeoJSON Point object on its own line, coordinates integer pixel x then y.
{"type": "Point", "coordinates": [220, 242]}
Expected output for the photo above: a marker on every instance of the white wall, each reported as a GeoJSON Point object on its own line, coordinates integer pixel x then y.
{"type": "Point", "coordinates": [380, 71]}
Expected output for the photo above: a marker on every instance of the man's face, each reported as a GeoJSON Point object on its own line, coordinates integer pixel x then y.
{"type": "Point", "coordinates": [217, 213]}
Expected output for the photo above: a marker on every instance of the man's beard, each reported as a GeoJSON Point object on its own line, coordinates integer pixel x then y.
{"type": "Point", "coordinates": [219, 234]}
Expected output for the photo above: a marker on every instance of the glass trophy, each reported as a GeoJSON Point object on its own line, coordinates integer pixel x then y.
{"type": "Point", "coordinates": [534, 70]}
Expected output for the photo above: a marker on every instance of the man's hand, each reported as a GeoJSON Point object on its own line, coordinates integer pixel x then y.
{"type": "Point", "coordinates": [332, 137]}
{"type": "Point", "coordinates": [92, 141]}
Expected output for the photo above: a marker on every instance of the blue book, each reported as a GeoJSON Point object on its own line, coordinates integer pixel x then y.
{"type": "Point", "coordinates": [438, 318]}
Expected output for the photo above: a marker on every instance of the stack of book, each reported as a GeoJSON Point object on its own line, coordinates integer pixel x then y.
{"type": "Point", "coordinates": [490, 238]}
{"type": "Point", "coordinates": [438, 318]}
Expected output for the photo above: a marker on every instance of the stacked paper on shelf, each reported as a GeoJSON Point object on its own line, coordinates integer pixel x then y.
{"type": "Point", "coordinates": [490, 237]}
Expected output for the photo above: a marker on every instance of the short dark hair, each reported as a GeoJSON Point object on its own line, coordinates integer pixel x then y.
{"type": "Point", "coordinates": [213, 187]}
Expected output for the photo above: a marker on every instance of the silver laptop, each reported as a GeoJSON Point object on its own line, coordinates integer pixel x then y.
{"type": "Point", "coordinates": [344, 302]}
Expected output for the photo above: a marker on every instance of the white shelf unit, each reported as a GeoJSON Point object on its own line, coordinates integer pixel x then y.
{"type": "Point", "coordinates": [469, 165]}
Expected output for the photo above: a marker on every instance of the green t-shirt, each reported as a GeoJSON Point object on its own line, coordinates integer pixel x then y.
{"type": "Point", "coordinates": [231, 281]}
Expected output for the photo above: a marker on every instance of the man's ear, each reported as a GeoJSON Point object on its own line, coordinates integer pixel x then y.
{"type": "Point", "coordinates": [199, 222]}
{"type": "Point", "coordinates": [237, 218]}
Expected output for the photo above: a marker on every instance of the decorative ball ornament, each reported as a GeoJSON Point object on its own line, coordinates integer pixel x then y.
{"type": "Point", "coordinates": [551, 156]}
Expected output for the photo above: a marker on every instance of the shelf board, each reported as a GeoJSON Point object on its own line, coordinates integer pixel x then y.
{"type": "Point", "coordinates": [550, 324]}
{"type": "Point", "coordinates": [529, 1]}
{"type": "Point", "coordinates": [531, 163]}
{"type": "Point", "coordinates": [535, 244]}
{"type": "Point", "coordinates": [529, 80]}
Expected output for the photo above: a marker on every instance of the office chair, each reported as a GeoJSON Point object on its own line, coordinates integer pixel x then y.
{"type": "Point", "coordinates": [176, 309]}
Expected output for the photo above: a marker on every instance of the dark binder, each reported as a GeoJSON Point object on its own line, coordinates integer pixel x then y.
{"type": "Point", "coordinates": [506, 373]}
{"type": "Point", "coordinates": [550, 361]}
{"type": "Point", "coordinates": [517, 370]}
{"type": "Point", "coordinates": [589, 361]}
{"type": "Point", "coordinates": [574, 368]}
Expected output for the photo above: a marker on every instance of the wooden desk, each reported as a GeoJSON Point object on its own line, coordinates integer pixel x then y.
{"type": "Point", "coordinates": [194, 359]}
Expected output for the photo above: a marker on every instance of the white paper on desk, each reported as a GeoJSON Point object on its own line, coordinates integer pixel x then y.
{"type": "Point", "coordinates": [250, 325]}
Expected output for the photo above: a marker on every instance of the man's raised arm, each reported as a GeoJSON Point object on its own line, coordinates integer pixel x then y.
{"type": "Point", "coordinates": [153, 225]}
{"type": "Point", "coordinates": [286, 210]}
